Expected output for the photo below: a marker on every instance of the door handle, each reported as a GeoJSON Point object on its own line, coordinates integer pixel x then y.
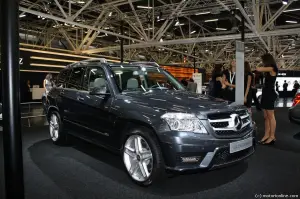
{"type": "Point", "coordinates": [80, 98]}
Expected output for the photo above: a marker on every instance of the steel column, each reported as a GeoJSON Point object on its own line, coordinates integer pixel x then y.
{"type": "Point", "coordinates": [243, 24]}
{"type": "Point", "coordinates": [194, 60]}
{"type": "Point", "coordinates": [122, 42]}
{"type": "Point", "coordinates": [12, 137]}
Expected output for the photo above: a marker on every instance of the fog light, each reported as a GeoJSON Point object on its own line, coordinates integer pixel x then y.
{"type": "Point", "coordinates": [190, 159]}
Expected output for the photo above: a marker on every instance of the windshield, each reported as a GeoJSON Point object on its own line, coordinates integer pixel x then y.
{"type": "Point", "coordinates": [138, 78]}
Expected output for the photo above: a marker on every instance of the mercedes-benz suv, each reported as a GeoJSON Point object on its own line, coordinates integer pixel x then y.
{"type": "Point", "coordinates": [145, 114]}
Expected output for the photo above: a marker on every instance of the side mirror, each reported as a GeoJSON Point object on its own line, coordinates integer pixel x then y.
{"type": "Point", "coordinates": [99, 91]}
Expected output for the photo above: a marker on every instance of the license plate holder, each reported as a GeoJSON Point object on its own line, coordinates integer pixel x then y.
{"type": "Point", "coordinates": [240, 145]}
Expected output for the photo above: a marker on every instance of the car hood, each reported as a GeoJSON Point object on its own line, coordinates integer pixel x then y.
{"type": "Point", "coordinates": [178, 101]}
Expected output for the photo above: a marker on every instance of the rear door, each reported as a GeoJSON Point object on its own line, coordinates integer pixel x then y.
{"type": "Point", "coordinates": [60, 86]}
{"type": "Point", "coordinates": [71, 100]}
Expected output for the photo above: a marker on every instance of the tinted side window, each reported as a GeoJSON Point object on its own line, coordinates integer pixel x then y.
{"type": "Point", "coordinates": [63, 77]}
{"type": "Point", "coordinates": [95, 77]}
{"type": "Point", "coordinates": [76, 77]}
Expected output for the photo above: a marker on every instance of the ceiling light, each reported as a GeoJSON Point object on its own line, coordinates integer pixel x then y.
{"type": "Point", "coordinates": [202, 13]}
{"type": "Point", "coordinates": [291, 21]}
{"type": "Point", "coordinates": [80, 2]}
{"type": "Point", "coordinates": [221, 29]}
{"type": "Point", "coordinates": [110, 14]}
{"type": "Point", "coordinates": [161, 40]}
{"type": "Point", "coordinates": [211, 20]}
{"type": "Point", "coordinates": [292, 10]}
{"type": "Point", "coordinates": [144, 7]}
{"type": "Point", "coordinates": [193, 32]}
{"type": "Point", "coordinates": [22, 15]}
{"type": "Point", "coordinates": [179, 24]}
{"type": "Point", "coordinates": [284, 2]}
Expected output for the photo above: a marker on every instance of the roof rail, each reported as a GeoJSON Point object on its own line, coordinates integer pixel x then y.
{"type": "Point", "coordinates": [99, 60]}
{"type": "Point", "coordinates": [146, 63]}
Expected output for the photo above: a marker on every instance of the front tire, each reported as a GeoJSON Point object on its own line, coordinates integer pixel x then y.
{"type": "Point", "coordinates": [142, 157]}
{"type": "Point", "coordinates": [57, 134]}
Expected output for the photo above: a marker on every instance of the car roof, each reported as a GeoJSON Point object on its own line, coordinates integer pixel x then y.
{"type": "Point", "coordinates": [102, 61]}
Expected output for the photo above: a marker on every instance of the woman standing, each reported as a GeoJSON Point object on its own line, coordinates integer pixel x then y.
{"type": "Point", "coordinates": [48, 83]}
{"type": "Point", "coordinates": [229, 82]}
{"type": "Point", "coordinates": [268, 98]}
{"type": "Point", "coordinates": [248, 79]}
{"type": "Point", "coordinates": [217, 81]}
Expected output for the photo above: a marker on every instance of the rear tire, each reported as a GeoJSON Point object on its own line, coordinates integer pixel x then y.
{"type": "Point", "coordinates": [142, 157]}
{"type": "Point", "coordinates": [56, 130]}
{"type": "Point", "coordinates": [44, 102]}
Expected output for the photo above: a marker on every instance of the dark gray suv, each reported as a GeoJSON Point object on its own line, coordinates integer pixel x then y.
{"type": "Point", "coordinates": [145, 114]}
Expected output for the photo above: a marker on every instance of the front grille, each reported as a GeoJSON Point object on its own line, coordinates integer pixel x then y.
{"type": "Point", "coordinates": [232, 133]}
{"type": "Point", "coordinates": [223, 156]}
{"type": "Point", "coordinates": [219, 124]}
{"type": "Point", "coordinates": [227, 125]}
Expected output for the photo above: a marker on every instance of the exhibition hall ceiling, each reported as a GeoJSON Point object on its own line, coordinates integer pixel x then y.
{"type": "Point", "coordinates": [165, 31]}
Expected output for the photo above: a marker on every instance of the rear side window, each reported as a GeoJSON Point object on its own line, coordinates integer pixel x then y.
{"type": "Point", "coordinates": [63, 77]}
{"type": "Point", "coordinates": [76, 78]}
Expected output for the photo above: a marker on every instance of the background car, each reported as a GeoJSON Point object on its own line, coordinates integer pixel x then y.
{"type": "Point", "coordinates": [294, 111]}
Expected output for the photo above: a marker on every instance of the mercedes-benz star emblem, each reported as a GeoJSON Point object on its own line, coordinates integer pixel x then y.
{"type": "Point", "coordinates": [236, 122]}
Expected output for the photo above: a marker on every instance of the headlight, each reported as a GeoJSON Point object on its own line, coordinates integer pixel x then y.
{"type": "Point", "coordinates": [184, 122]}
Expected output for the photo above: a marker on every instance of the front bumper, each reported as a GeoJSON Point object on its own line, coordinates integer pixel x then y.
{"type": "Point", "coordinates": [201, 152]}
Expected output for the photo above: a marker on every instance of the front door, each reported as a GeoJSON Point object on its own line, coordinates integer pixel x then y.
{"type": "Point", "coordinates": [95, 114]}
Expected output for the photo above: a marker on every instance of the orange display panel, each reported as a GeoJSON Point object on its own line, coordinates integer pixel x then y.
{"type": "Point", "coordinates": [180, 72]}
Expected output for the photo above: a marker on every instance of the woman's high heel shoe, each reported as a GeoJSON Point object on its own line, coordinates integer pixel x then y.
{"type": "Point", "coordinates": [270, 143]}
{"type": "Point", "coordinates": [262, 141]}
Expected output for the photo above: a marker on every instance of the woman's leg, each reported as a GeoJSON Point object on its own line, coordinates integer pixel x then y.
{"type": "Point", "coordinates": [272, 120]}
{"type": "Point", "coordinates": [267, 126]}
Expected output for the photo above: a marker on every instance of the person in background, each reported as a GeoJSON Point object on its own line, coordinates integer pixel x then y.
{"type": "Point", "coordinates": [48, 83]}
{"type": "Point", "coordinates": [228, 80]}
{"type": "Point", "coordinates": [277, 87]}
{"type": "Point", "coordinates": [28, 91]}
{"type": "Point", "coordinates": [248, 81]}
{"type": "Point", "coordinates": [269, 97]}
{"type": "Point", "coordinates": [216, 82]}
{"type": "Point", "coordinates": [192, 86]}
{"type": "Point", "coordinates": [296, 87]}
{"type": "Point", "coordinates": [184, 82]}
{"type": "Point", "coordinates": [285, 86]}
{"type": "Point", "coordinates": [254, 96]}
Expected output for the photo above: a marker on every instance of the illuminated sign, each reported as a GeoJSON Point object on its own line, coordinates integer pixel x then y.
{"type": "Point", "coordinates": [281, 74]}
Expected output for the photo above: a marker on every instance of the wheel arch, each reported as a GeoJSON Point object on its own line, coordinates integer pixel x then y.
{"type": "Point", "coordinates": [51, 109]}
{"type": "Point", "coordinates": [130, 124]}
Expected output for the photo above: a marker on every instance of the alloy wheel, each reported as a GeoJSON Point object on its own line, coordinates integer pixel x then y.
{"type": "Point", "coordinates": [54, 127]}
{"type": "Point", "coordinates": [137, 157]}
